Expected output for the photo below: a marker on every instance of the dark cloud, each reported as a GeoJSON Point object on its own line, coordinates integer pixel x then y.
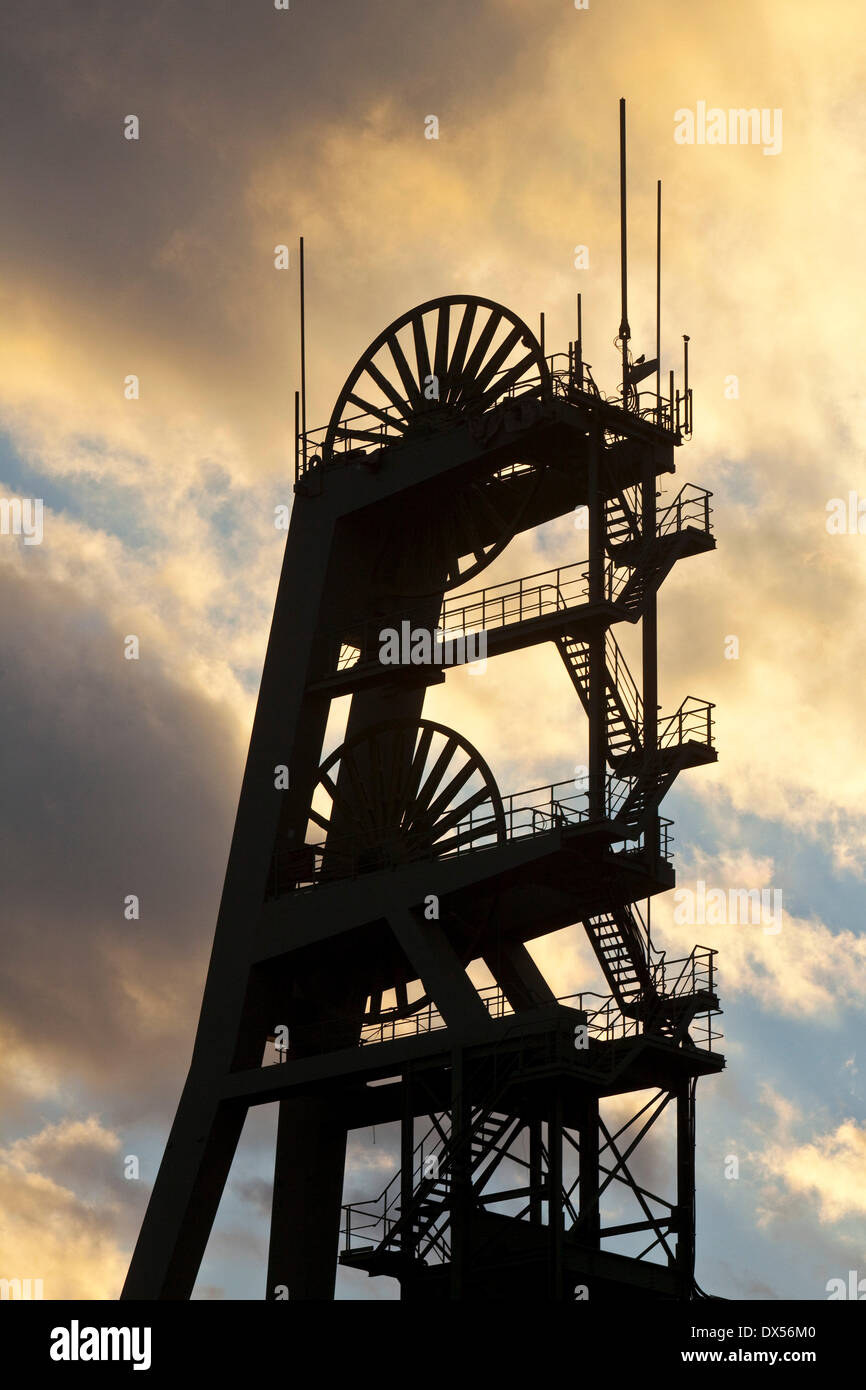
{"type": "Point", "coordinates": [116, 781]}
{"type": "Point", "coordinates": [158, 251]}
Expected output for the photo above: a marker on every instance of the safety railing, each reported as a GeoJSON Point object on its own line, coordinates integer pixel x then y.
{"type": "Point", "coordinates": [542, 809]}
{"type": "Point", "coordinates": [376, 1223]}
{"type": "Point", "coordinates": [429, 1019]}
{"type": "Point", "coordinates": [373, 1223]}
{"type": "Point", "coordinates": [569, 376]}
{"type": "Point", "coordinates": [513, 601]}
{"type": "Point", "coordinates": [489, 609]}
{"type": "Point", "coordinates": [636, 847]}
{"type": "Point", "coordinates": [624, 681]}
{"type": "Point", "coordinates": [690, 509]}
{"type": "Point", "coordinates": [520, 815]}
{"type": "Point", "coordinates": [691, 723]}
{"type": "Point", "coordinates": [516, 601]}
{"type": "Point", "coordinates": [693, 976]}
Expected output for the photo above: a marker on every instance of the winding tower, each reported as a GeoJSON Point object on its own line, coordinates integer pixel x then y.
{"type": "Point", "coordinates": [362, 882]}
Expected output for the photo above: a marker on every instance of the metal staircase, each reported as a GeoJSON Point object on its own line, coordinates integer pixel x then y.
{"type": "Point", "coordinates": [616, 938]}
{"type": "Point", "coordinates": [410, 1226]}
{"type": "Point", "coordinates": [622, 526]}
{"type": "Point", "coordinates": [418, 1230]}
{"type": "Point", "coordinates": [623, 704]}
{"type": "Point", "coordinates": [682, 529]}
{"type": "Point", "coordinates": [684, 739]}
{"type": "Point", "coordinates": [644, 984]}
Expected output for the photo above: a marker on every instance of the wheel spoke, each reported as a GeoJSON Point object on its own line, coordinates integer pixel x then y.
{"type": "Point", "coordinates": [419, 762]}
{"type": "Point", "coordinates": [440, 358]}
{"type": "Point", "coordinates": [458, 781]}
{"type": "Point", "coordinates": [501, 355]}
{"type": "Point", "coordinates": [422, 354]}
{"type": "Point", "coordinates": [507, 379]}
{"type": "Point", "coordinates": [470, 834]}
{"type": "Point", "coordinates": [369, 436]}
{"type": "Point", "coordinates": [401, 773]}
{"type": "Point", "coordinates": [413, 394]}
{"type": "Point", "coordinates": [421, 804]}
{"type": "Point", "coordinates": [476, 357]}
{"type": "Point", "coordinates": [458, 813]}
{"type": "Point", "coordinates": [386, 387]}
{"type": "Point", "coordinates": [378, 411]}
{"type": "Point", "coordinates": [455, 366]}
{"type": "Point", "coordinates": [465, 376]}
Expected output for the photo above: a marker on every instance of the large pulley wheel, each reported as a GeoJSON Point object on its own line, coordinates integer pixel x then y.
{"type": "Point", "coordinates": [429, 369]}
{"type": "Point", "coordinates": [400, 791]}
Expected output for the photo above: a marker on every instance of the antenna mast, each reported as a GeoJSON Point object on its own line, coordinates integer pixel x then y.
{"type": "Point", "coordinates": [624, 330]}
{"type": "Point", "coordinates": [659, 302]}
{"type": "Point", "coordinates": [303, 362]}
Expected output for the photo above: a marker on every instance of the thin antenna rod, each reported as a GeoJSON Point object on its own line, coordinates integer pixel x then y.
{"type": "Point", "coordinates": [686, 392]}
{"type": "Point", "coordinates": [303, 362]}
{"type": "Point", "coordinates": [578, 371]}
{"type": "Point", "coordinates": [541, 333]}
{"type": "Point", "coordinates": [659, 303]}
{"type": "Point", "coordinates": [624, 330]}
{"type": "Point", "coordinates": [297, 432]}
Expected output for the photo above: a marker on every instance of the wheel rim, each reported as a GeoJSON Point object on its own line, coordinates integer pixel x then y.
{"type": "Point", "coordinates": [401, 791]}
{"type": "Point", "coordinates": [431, 367]}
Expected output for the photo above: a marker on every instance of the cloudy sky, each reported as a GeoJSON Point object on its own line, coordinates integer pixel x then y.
{"type": "Point", "coordinates": [155, 257]}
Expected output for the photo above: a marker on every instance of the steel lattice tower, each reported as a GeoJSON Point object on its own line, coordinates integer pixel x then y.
{"type": "Point", "coordinates": [360, 886]}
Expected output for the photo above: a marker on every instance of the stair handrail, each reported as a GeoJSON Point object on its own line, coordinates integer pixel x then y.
{"type": "Point", "coordinates": [693, 716]}
{"type": "Point", "coordinates": [450, 1148]}
{"type": "Point", "coordinates": [690, 508]}
{"type": "Point", "coordinates": [395, 1181]}
{"type": "Point", "coordinates": [624, 681]}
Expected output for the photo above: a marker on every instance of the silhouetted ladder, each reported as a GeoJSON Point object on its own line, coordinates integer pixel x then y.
{"type": "Point", "coordinates": [618, 942]}
{"type": "Point", "coordinates": [623, 704]}
{"type": "Point", "coordinates": [416, 1226]}
{"type": "Point", "coordinates": [685, 740]}
{"type": "Point", "coordinates": [683, 528]}
{"type": "Point", "coordinates": [621, 524]}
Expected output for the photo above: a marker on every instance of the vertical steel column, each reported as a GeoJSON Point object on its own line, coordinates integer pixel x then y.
{"type": "Point", "coordinates": [205, 1132]}
{"type": "Point", "coordinates": [597, 668]}
{"type": "Point", "coordinates": [535, 1173]}
{"type": "Point", "coordinates": [460, 1176]}
{"type": "Point", "coordinates": [649, 641]}
{"type": "Point", "coordinates": [555, 1211]}
{"type": "Point", "coordinates": [308, 1190]}
{"type": "Point", "coordinates": [685, 1256]}
{"type": "Point", "coordinates": [588, 1183]}
{"type": "Point", "coordinates": [407, 1177]}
